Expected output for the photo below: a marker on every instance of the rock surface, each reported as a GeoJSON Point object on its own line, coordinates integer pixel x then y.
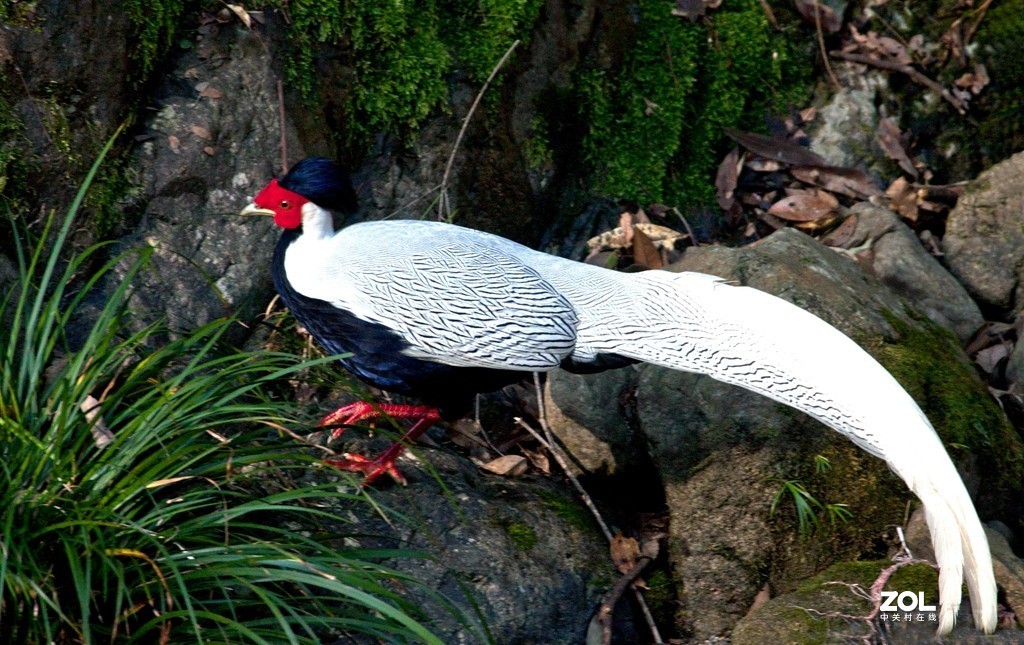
{"type": "Point", "coordinates": [211, 145]}
{"type": "Point", "coordinates": [724, 454]}
{"type": "Point", "coordinates": [984, 242]}
{"type": "Point", "coordinates": [900, 261]}
{"type": "Point", "coordinates": [521, 551]}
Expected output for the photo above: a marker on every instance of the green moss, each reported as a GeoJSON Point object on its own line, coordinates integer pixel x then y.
{"type": "Point", "coordinates": [108, 195]}
{"type": "Point", "coordinates": [522, 535]}
{"type": "Point", "coordinates": [401, 53]}
{"type": "Point", "coordinates": [811, 613]}
{"type": "Point", "coordinates": [486, 29]}
{"type": "Point", "coordinates": [1001, 48]}
{"type": "Point", "coordinates": [568, 509]}
{"type": "Point", "coordinates": [13, 12]}
{"type": "Point", "coordinates": [634, 115]}
{"type": "Point", "coordinates": [58, 129]}
{"type": "Point", "coordinates": [929, 364]}
{"type": "Point", "coordinates": [13, 168]}
{"type": "Point", "coordinates": [156, 25]}
{"type": "Point", "coordinates": [537, 150]}
{"type": "Point", "coordinates": [748, 70]}
{"type": "Point", "coordinates": [654, 126]}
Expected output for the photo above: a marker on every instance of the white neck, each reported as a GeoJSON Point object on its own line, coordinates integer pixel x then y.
{"type": "Point", "coordinates": [317, 222]}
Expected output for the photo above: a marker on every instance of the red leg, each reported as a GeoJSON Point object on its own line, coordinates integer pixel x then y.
{"type": "Point", "coordinates": [352, 413]}
{"type": "Point", "coordinates": [385, 463]}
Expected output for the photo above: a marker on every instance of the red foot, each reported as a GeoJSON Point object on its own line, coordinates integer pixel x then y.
{"type": "Point", "coordinates": [385, 463]}
{"type": "Point", "coordinates": [373, 469]}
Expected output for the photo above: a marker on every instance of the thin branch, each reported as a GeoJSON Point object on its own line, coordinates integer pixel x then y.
{"type": "Point", "coordinates": [443, 204]}
{"type": "Point", "coordinates": [605, 611]}
{"type": "Point", "coordinates": [689, 229]}
{"type": "Point", "coordinates": [914, 75]}
{"type": "Point", "coordinates": [564, 465]}
{"type": "Point", "coordinates": [284, 134]}
{"type": "Point", "coordinates": [982, 10]}
{"type": "Point", "coordinates": [588, 502]}
{"type": "Point", "coordinates": [821, 46]}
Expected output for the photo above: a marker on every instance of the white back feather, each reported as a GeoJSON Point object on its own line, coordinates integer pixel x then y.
{"type": "Point", "coordinates": [749, 338]}
{"type": "Point", "coordinates": [685, 321]}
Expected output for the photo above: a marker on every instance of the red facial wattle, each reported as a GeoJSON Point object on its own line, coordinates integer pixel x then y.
{"type": "Point", "coordinates": [287, 205]}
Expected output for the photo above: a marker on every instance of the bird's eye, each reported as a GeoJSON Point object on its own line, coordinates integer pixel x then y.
{"type": "Point", "coordinates": [285, 204]}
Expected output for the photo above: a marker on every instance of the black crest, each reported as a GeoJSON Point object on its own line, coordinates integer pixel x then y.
{"type": "Point", "coordinates": [322, 182]}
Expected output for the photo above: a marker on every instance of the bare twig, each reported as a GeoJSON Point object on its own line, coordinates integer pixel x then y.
{"type": "Point", "coordinates": [301, 439]}
{"type": "Point", "coordinates": [914, 75]}
{"type": "Point", "coordinates": [564, 465]}
{"type": "Point", "coordinates": [604, 612]}
{"type": "Point", "coordinates": [982, 10]}
{"type": "Point", "coordinates": [689, 229]}
{"type": "Point", "coordinates": [874, 596]}
{"type": "Point", "coordinates": [284, 134]}
{"type": "Point", "coordinates": [770, 15]}
{"type": "Point", "coordinates": [550, 445]}
{"type": "Point", "coordinates": [821, 46]}
{"type": "Point", "coordinates": [442, 206]}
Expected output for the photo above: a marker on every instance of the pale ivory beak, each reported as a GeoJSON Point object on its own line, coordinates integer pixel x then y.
{"type": "Point", "coordinates": [253, 209]}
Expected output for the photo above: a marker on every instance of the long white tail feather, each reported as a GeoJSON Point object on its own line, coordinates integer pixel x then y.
{"type": "Point", "coordinates": [749, 338]}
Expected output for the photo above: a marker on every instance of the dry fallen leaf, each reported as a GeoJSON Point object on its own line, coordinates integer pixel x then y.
{"type": "Point", "coordinates": [841, 234]}
{"type": "Point", "coordinates": [804, 206]}
{"type": "Point", "coordinates": [210, 150]}
{"type": "Point", "coordinates": [645, 254]}
{"type": "Point", "coordinates": [890, 140]}
{"type": "Point", "coordinates": [200, 132]}
{"type": "Point", "coordinates": [508, 465]}
{"type": "Point", "coordinates": [691, 9]}
{"type": "Point", "coordinates": [615, 239]}
{"type": "Point", "coordinates": [625, 551]}
{"type": "Point", "coordinates": [175, 143]}
{"type": "Point", "coordinates": [242, 14]}
{"type": "Point", "coordinates": [101, 434]}
{"type": "Point", "coordinates": [830, 21]}
{"type": "Point", "coordinates": [845, 181]}
{"type": "Point", "coordinates": [539, 460]}
{"type": "Point", "coordinates": [988, 359]}
{"type": "Point", "coordinates": [725, 180]}
{"type": "Point", "coordinates": [974, 81]}
{"type": "Point", "coordinates": [211, 93]}
{"type": "Point", "coordinates": [778, 149]}
{"type": "Point", "coordinates": [903, 199]}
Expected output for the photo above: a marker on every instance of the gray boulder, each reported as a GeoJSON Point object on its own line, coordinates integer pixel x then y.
{"type": "Point", "coordinates": [212, 143]}
{"type": "Point", "coordinates": [900, 261]}
{"type": "Point", "coordinates": [726, 456]}
{"type": "Point", "coordinates": [984, 241]}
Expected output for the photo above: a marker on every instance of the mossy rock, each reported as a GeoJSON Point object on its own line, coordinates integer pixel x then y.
{"type": "Point", "coordinates": [824, 608]}
{"type": "Point", "coordinates": [724, 453]}
{"type": "Point", "coordinates": [654, 116]}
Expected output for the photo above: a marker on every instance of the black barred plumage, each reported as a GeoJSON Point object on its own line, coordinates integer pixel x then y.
{"type": "Point", "coordinates": [441, 312]}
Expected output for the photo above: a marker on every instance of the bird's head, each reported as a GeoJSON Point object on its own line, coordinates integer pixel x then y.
{"type": "Point", "coordinates": [311, 186]}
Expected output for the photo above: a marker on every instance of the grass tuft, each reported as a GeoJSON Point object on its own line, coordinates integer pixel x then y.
{"type": "Point", "coordinates": [144, 493]}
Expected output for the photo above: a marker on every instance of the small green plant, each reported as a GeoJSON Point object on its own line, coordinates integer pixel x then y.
{"type": "Point", "coordinates": [822, 464]}
{"type": "Point", "coordinates": [144, 495]}
{"type": "Point", "coordinates": [807, 506]}
{"type": "Point", "coordinates": [805, 503]}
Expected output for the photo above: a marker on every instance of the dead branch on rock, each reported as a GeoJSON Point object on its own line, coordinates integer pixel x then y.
{"type": "Point", "coordinates": [443, 206]}
{"type": "Point", "coordinates": [914, 75]}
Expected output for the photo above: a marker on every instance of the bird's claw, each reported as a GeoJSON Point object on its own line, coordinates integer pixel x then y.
{"type": "Point", "coordinates": [372, 468]}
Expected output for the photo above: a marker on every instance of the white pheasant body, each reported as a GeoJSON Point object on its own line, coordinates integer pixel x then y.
{"type": "Point", "coordinates": [465, 311]}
